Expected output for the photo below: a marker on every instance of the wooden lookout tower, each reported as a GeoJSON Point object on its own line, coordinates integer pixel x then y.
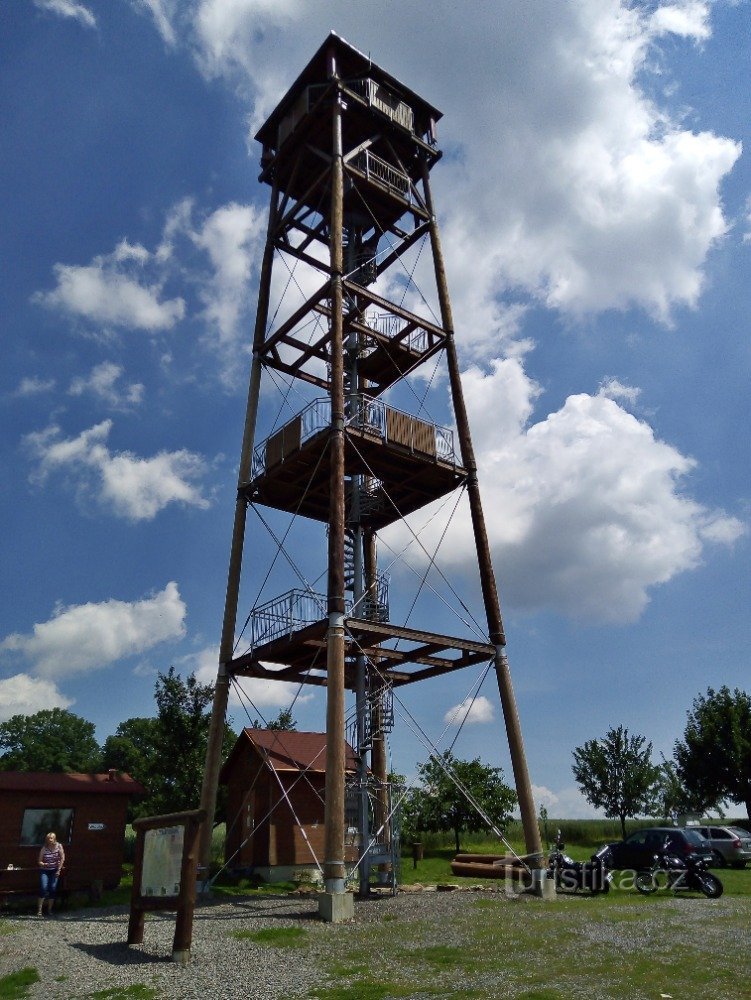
{"type": "Point", "coordinates": [348, 154]}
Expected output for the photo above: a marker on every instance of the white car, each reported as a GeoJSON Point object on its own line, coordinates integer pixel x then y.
{"type": "Point", "coordinates": [731, 844]}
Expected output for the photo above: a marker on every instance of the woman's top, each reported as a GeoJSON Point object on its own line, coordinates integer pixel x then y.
{"type": "Point", "coordinates": [52, 857]}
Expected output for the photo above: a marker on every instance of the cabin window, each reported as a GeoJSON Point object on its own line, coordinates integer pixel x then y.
{"type": "Point", "coordinates": [37, 823]}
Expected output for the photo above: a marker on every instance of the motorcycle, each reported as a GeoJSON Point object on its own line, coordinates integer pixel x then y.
{"type": "Point", "coordinates": [689, 874]}
{"type": "Point", "coordinates": [567, 874]}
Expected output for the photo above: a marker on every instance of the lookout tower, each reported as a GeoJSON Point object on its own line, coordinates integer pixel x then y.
{"type": "Point", "coordinates": [348, 154]}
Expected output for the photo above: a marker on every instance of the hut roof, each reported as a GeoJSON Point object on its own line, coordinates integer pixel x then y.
{"type": "Point", "coordinates": [109, 783]}
{"type": "Point", "coordinates": [284, 750]}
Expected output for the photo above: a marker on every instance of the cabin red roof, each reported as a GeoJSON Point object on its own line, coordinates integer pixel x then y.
{"type": "Point", "coordinates": [111, 783]}
{"type": "Point", "coordinates": [288, 751]}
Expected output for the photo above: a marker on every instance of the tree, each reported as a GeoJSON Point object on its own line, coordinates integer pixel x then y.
{"type": "Point", "coordinates": [51, 740]}
{"type": "Point", "coordinates": [713, 759]}
{"type": "Point", "coordinates": [284, 722]}
{"type": "Point", "coordinates": [167, 753]}
{"type": "Point", "coordinates": [441, 805]}
{"type": "Point", "coordinates": [673, 796]}
{"type": "Point", "coordinates": [616, 774]}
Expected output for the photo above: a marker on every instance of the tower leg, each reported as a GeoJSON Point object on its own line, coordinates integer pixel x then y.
{"type": "Point", "coordinates": [491, 601]}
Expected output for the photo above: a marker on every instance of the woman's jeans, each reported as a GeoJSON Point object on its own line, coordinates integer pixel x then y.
{"type": "Point", "coordinates": [48, 879]}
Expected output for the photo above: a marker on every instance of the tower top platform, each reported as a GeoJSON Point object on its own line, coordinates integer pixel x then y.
{"type": "Point", "coordinates": [337, 59]}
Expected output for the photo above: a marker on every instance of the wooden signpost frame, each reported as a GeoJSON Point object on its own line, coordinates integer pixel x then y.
{"type": "Point", "coordinates": [184, 901]}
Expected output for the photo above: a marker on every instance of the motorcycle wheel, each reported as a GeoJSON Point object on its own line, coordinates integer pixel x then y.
{"type": "Point", "coordinates": [710, 885]}
{"type": "Point", "coordinates": [645, 883]}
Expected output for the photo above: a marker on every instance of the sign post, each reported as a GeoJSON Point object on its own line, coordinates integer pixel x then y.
{"type": "Point", "coordinates": [164, 875]}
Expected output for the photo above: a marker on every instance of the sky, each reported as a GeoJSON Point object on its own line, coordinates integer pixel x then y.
{"type": "Point", "coordinates": [594, 199]}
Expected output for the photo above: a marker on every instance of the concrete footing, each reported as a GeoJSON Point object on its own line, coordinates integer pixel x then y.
{"type": "Point", "coordinates": [542, 886]}
{"type": "Point", "coordinates": [336, 907]}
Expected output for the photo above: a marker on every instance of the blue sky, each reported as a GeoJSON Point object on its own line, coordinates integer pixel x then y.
{"type": "Point", "coordinates": [594, 199]}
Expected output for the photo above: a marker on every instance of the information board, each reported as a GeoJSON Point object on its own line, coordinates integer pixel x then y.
{"type": "Point", "coordinates": [162, 861]}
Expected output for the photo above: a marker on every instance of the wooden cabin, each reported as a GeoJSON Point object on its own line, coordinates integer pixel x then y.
{"type": "Point", "coordinates": [275, 803]}
{"type": "Point", "coordinates": [85, 811]}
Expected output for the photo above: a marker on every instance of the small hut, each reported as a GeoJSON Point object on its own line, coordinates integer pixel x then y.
{"type": "Point", "coordinates": [86, 812]}
{"type": "Point", "coordinates": [275, 802]}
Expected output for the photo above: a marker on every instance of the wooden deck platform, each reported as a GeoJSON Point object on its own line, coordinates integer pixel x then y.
{"type": "Point", "coordinates": [403, 655]}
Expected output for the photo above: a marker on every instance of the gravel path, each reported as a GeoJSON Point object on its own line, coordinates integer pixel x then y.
{"type": "Point", "coordinates": [80, 953]}
{"type": "Point", "coordinates": [88, 949]}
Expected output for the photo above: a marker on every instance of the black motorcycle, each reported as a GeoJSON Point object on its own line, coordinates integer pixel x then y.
{"type": "Point", "coordinates": [668, 871]}
{"type": "Point", "coordinates": [568, 875]}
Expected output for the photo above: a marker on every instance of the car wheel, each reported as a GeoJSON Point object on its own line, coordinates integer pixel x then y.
{"type": "Point", "coordinates": [718, 860]}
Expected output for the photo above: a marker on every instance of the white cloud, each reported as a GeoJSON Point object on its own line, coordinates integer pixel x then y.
{"type": "Point", "coordinates": [68, 8]}
{"type": "Point", "coordinates": [573, 186]}
{"type": "Point", "coordinates": [25, 695]}
{"type": "Point", "coordinates": [687, 18]}
{"type": "Point", "coordinates": [230, 237]}
{"type": "Point", "coordinates": [113, 291]}
{"type": "Point", "coordinates": [585, 509]}
{"type": "Point", "coordinates": [613, 388]}
{"type": "Point", "coordinates": [468, 711]}
{"type": "Point", "coordinates": [566, 803]}
{"type": "Point", "coordinates": [257, 693]}
{"type": "Point", "coordinates": [163, 13]}
{"type": "Point", "coordinates": [34, 386]}
{"type": "Point", "coordinates": [131, 487]}
{"type": "Point", "coordinates": [102, 381]}
{"type": "Point", "coordinates": [85, 637]}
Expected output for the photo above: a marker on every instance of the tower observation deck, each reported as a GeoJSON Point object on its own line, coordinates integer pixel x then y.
{"type": "Point", "coordinates": [347, 154]}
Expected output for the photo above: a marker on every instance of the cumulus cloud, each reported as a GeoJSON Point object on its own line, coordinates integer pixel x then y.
{"type": "Point", "coordinates": [32, 385]}
{"type": "Point", "coordinates": [469, 711]}
{"type": "Point", "coordinates": [256, 694]}
{"type": "Point", "coordinates": [113, 290]}
{"type": "Point", "coordinates": [131, 487]}
{"type": "Point", "coordinates": [26, 695]}
{"type": "Point", "coordinates": [578, 190]}
{"type": "Point", "coordinates": [586, 508]}
{"type": "Point", "coordinates": [68, 8]}
{"type": "Point", "coordinates": [84, 637]}
{"type": "Point", "coordinates": [102, 383]}
{"type": "Point", "coordinates": [566, 803]}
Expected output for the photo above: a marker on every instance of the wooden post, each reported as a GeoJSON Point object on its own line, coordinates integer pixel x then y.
{"type": "Point", "coordinates": [491, 601]}
{"type": "Point", "coordinates": [213, 761]}
{"type": "Point", "coordinates": [333, 869]}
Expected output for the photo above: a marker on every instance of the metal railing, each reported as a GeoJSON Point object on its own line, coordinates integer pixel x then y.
{"type": "Point", "coordinates": [364, 413]}
{"type": "Point", "coordinates": [390, 326]}
{"type": "Point", "coordinates": [383, 173]}
{"type": "Point", "coordinates": [385, 100]}
{"type": "Point", "coordinates": [284, 615]}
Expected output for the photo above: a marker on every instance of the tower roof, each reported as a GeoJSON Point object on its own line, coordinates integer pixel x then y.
{"type": "Point", "coordinates": [350, 64]}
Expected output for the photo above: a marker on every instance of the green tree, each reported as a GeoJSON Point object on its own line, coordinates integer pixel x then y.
{"type": "Point", "coordinates": [51, 740]}
{"type": "Point", "coordinates": [132, 749]}
{"type": "Point", "coordinates": [440, 804]}
{"type": "Point", "coordinates": [713, 759]}
{"type": "Point", "coordinates": [167, 753]}
{"type": "Point", "coordinates": [284, 722]}
{"type": "Point", "coordinates": [673, 796]}
{"type": "Point", "coordinates": [616, 774]}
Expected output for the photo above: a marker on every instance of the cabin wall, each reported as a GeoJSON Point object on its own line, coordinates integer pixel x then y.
{"type": "Point", "coordinates": [95, 851]}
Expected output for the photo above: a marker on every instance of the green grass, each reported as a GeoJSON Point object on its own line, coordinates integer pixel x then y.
{"type": "Point", "coordinates": [278, 937]}
{"type": "Point", "coordinates": [7, 928]}
{"type": "Point", "coordinates": [16, 985]}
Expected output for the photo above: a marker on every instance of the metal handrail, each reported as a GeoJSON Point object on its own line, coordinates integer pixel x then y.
{"type": "Point", "coordinates": [365, 413]}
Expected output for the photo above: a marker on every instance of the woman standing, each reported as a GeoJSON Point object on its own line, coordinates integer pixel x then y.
{"type": "Point", "coordinates": [51, 860]}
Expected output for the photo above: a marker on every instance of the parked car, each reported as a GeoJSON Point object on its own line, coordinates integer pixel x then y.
{"type": "Point", "coordinates": [639, 849]}
{"type": "Point", "coordinates": [731, 844]}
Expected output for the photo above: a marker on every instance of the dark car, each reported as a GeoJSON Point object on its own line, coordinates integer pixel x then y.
{"type": "Point", "coordinates": [638, 850]}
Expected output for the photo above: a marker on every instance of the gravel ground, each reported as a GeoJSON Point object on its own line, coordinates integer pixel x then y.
{"type": "Point", "coordinates": [82, 952]}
